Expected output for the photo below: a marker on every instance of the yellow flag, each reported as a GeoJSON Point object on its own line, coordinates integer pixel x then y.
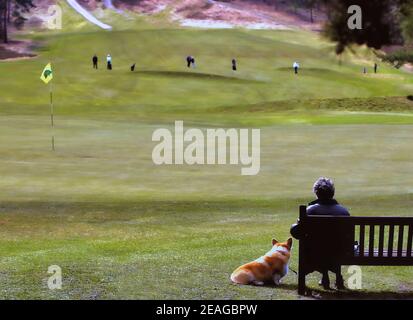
{"type": "Point", "coordinates": [47, 74]}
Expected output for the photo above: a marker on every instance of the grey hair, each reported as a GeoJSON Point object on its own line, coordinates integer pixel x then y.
{"type": "Point", "coordinates": [324, 188]}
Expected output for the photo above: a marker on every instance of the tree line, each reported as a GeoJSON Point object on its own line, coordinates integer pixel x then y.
{"type": "Point", "coordinates": [384, 22]}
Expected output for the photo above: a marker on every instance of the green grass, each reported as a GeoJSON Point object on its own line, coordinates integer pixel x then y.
{"type": "Point", "coordinates": [121, 227]}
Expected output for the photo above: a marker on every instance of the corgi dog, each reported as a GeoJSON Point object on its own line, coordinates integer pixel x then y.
{"type": "Point", "coordinates": [273, 266]}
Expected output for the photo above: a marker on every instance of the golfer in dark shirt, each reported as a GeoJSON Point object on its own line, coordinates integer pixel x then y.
{"type": "Point", "coordinates": [234, 65]}
{"type": "Point", "coordinates": [95, 62]}
{"type": "Point", "coordinates": [188, 61]}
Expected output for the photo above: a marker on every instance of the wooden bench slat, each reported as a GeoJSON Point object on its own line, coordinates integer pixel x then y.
{"type": "Point", "coordinates": [409, 241]}
{"type": "Point", "coordinates": [361, 245]}
{"type": "Point", "coordinates": [364, 220]}
{"type": "Point", "coordinates": [381, 240]}
{"type": "Point", "coordinates": [371, 240]}
{"type": "Point", "coordinates": [400, 241]}
{"type": "Point", "coordinates": [391, 239]}
{"type": "Point", "coordinates": [379, 261]}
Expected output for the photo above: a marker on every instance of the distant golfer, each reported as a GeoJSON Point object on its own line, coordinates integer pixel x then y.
{"type": "Point", "coordinates": [190, 61]}
{"type": "Point", "coordinates": [95, 61]}
{"type": "Point", "coordinates": [296, 66]}
{"type": "Point", "coordinates": [375, 67]}
{"type": "Point", "coordinates": [132, 67]}
{"type": "Point", "coordinates": [109, 61]}
{"type": "Point", "coordinates": [234, 65]}
{"type": "Point", "coordinates": [364, 70]}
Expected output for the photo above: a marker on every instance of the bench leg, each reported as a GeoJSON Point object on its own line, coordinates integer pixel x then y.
{"type": "Point", "coordinates": [302, 272]}
{"type": "Point", "coordinates": [301, 282]}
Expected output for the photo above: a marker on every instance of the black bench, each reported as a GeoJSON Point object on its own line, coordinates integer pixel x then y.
{"type": "Point", "coordinates": [327, 240]}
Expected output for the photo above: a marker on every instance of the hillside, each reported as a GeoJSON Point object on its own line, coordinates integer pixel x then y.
{"type": "Point", "coordinates": [159, 46]}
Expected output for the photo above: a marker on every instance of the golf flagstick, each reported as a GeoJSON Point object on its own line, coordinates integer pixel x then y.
{"type": "Point", "coordinates": [46, 77]}
{"type": "Point", "coordinates": [51, 114]}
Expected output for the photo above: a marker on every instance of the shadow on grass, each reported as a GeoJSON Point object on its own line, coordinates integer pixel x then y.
{"type": "Point", "coordinates": [359, 295]}
{"type": "Point", "coordinates": [310, 71]}
{"type": "Point", "coordinates": [192, 75]}
{"type": "Point", "coordinates": [282, 286]}
{"type": "Point", "coordinates": [347, 294]}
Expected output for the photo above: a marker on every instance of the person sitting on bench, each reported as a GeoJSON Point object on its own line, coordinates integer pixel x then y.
{"type": "Point", "coordinates": [325, 204]}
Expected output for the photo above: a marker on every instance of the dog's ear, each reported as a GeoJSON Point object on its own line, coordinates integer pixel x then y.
{"type": "Point", "coordinates": [290, 243]}
{"type": "Point", "coordinates": [274, 242]}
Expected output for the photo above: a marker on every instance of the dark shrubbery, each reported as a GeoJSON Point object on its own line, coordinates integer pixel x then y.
{"type": "Point", "coordinates": [399, 58]}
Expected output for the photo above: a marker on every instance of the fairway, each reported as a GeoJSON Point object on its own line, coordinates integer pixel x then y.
{"type": "Point", "coordinates": [121, 227]}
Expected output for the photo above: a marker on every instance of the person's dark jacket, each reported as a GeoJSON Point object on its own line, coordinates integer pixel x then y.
{"type": "Point", "coordinates": [326, 208]}
{"type": "Point", "coordinates": [320, 208]}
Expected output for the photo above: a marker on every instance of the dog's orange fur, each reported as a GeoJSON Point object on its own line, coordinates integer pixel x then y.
{"type": "Point", "coordinates": [270, 267]}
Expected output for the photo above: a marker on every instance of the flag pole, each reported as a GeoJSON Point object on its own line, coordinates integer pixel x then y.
{"type": "Point", "coordinates": [47, 77]}
{"type": "Point", "coordinates": [51, 114]}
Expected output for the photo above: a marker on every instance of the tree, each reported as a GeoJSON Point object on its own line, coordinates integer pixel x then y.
{"type": "Point", "coordinates": [8, 11]}
{"type": "Point", "coordinates": [407, 22]}
{"type": "Point", "coordinates": [3, 20]}
{"type": "Point", "coordinates": [380, 23]}
{"type": "Point", "coordinates": [310, 4]}
{"type": "Point", "coordinates": [11, 12]}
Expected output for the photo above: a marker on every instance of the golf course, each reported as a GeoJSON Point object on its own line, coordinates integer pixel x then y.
{"type": "Point", "coordinates": [121, 227]}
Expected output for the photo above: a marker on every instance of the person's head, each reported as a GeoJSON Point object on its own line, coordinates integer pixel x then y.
{"type": "Point", "coordinates": [324, 188]}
